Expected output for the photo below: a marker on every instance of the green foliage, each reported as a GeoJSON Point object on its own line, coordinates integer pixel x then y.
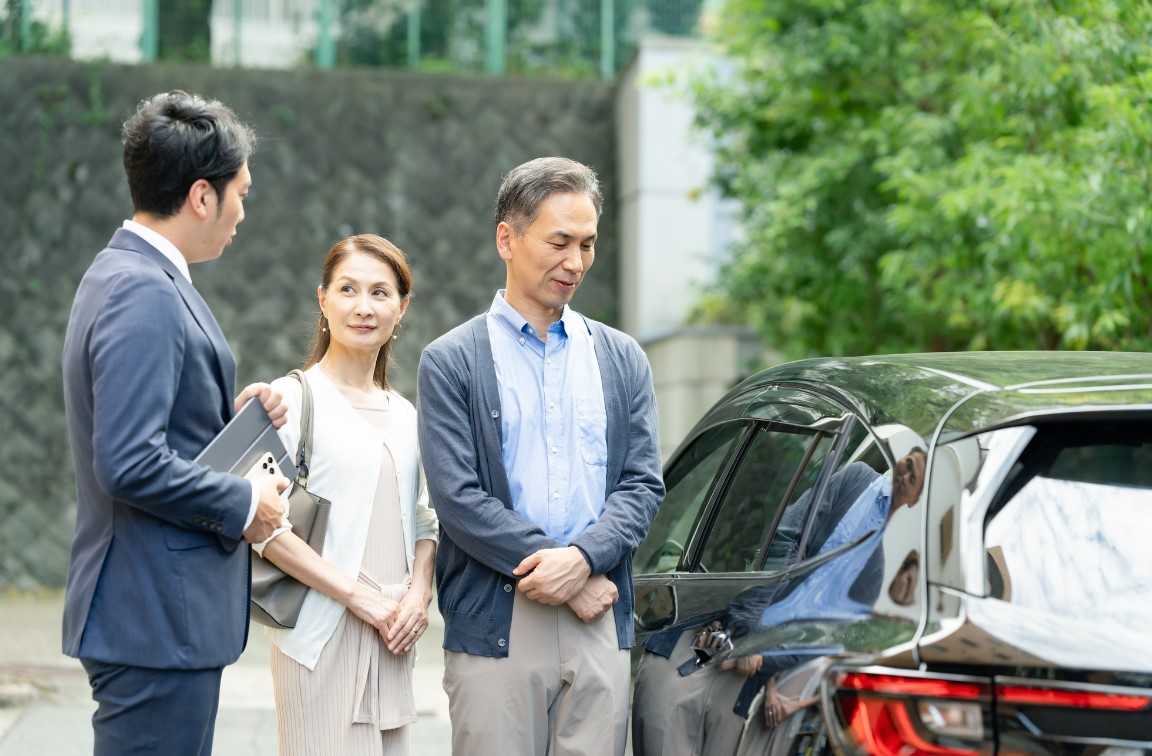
{"type": "Point", "coordinates": [184, 30]}
{"type": "Point", "coordinates": [373, 32]}
{"type": "Point", "coordinates": [451, 38]}
{"type": "Point", "coordinates": [58, 108]}
{"type": "Point", "coordinates": [936, 174]}
{"type": "Point", "coordinates": [31, 38]}
{"type": "Point", "coordinates": [96, 114]}
{"type": "Point", "coordinates": [558, 38]}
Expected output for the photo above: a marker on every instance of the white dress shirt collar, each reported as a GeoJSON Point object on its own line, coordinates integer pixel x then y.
{"type": "Point", "coordinates": [162, 245]}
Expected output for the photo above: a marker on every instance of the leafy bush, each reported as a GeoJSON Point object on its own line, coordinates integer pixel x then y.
{"type": "Point", "coordinates": [936, 174]}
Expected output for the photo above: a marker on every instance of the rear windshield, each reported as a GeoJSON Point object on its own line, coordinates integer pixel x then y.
{"type": "Point", "coordinates": [1069, 534]}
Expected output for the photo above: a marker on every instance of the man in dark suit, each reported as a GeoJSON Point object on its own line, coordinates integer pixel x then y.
{"type": "Point", "coordinates": [158, 582]}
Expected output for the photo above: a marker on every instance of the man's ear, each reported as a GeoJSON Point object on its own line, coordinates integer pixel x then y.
{"type": "Point", "coordinates": [201, 198]}
{"type": "Point", "coordinates": [504, 240]}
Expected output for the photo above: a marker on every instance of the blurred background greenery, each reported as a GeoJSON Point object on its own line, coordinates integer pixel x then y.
{"type": "Point", "coordinates": [935, 174]}
{"type": "Point", "coordinates": [568, 38]}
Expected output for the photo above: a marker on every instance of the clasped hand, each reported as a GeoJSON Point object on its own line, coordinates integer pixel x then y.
{"type": "Point", "coordinates": [563, 576]}
{"type": "Point", "coordinates": [410, 623]}
{"type": "Point", "coordinates": [554, 576]}
{"type": "Point", "coordinates": [400, 623]}
{"type": "Point", "coordinates": [596, 598]}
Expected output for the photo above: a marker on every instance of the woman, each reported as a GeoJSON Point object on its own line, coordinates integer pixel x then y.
{"type": "Point", "coordinates": [343, 675]}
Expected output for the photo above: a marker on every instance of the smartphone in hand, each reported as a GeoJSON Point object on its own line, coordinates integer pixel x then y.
{"type": "Point", "coordinates": [264, 465]}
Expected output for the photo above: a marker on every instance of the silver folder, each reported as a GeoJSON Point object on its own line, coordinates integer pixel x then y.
{"type": "Point", "coordinates": [247, 436]}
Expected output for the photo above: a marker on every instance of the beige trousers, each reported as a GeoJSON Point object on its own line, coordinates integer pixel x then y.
{"type": "Point", "coordinates": [561, 691]}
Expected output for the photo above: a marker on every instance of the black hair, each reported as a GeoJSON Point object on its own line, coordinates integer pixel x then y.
{"type": "Point", "coordinates": [175, 139]}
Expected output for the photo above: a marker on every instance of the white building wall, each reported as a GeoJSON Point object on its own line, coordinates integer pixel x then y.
{"type": "Point", "coordinates": [273, 33]}
{"type": "Point", "coordinates": [675, 229]}
{"type": "Point", "coordinates": [108, 29]}
{"type": "Point", "coordinates": [675, 233]}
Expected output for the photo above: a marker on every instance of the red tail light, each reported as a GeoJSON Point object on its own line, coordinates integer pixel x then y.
{"type": "Point", "coordinates": [1080, 699]}
{"type": "Point", "coordinates": [896, 715]}
{"type": "Point", "coordinates": [889, 713]}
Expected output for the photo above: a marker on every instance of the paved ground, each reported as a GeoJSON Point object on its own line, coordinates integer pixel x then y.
{"type": "Point", "coordinates": [46, 708]}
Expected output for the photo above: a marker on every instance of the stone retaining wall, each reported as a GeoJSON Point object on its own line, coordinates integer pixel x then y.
{"type": "Point", "coordinates": [417, 158]}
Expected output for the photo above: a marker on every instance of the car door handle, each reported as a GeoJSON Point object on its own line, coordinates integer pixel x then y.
{"type": "Point", "coordinates": [712, 641]}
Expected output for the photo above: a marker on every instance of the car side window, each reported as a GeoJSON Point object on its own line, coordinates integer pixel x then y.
{"type": "Point", "coordinates": [779, 459]}
{"type": "Point", "coordinates": [784, 549]}
{"type": "Point", "coordinates": [688, 484]}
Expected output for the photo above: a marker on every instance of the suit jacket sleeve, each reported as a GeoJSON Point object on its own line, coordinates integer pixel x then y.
{"type": "Point", "coordinates": [136, 352]}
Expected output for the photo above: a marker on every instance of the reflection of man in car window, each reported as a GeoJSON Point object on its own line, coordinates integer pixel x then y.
{"type": "Point", "coordinates": [842, 588]}
{"type": "Point", "coordinates": [839, 589]}
{"type": "Point", "coordinates": [851, 507]}
{"type": "Point", "coordinates": [902, 589]}
{"type": "Point", "coordinates": [694, 714]}
{"type": "Point", "coordinates": [873, 507]}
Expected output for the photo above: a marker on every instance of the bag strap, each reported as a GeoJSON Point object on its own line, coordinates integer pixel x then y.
{"type": "Point", "coordinates": [305, 445]}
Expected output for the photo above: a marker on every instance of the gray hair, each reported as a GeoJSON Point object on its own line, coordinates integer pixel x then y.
{"type": "Point", "coordinates": [527, 185]}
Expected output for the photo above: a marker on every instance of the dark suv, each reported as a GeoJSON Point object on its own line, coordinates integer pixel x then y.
{"type": "Point", "coordinates": [910, 554]}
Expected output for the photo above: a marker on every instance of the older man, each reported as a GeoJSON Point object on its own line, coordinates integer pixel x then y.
{"type": "Point", "coordinates": [538, 430]}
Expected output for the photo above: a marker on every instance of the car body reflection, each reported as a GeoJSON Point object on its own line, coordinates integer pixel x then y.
{"type": "Point", "coordinates": [815, 584]}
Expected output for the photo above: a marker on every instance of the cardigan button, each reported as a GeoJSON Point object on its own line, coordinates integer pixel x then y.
{"type": "Point", "coordinates": [495, 414]}
{"type": "Point", "coordinates": [501, 643]}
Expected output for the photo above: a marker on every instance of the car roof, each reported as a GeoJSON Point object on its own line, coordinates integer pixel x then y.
{"type": "Point", "coordinates": [955, 393]}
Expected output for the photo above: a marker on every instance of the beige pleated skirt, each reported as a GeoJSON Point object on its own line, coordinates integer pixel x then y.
{"type": "Point", "coordinates": [358, 701]}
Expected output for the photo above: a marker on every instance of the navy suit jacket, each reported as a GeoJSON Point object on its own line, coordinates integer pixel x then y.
{"type": "Point", "coordinates": [158, 576]}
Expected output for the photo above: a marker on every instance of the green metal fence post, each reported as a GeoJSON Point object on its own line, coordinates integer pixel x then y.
{"type": "Point", "coordinates": [414, 34]}
{"type": "Point", "coordinates": [607, 39]}
{"type": "Point", "coordinates": [237, 21]}
{"type": "Point", "coordinates": [25, 25]}
{"type": "Point", "coordinates": [325, 47]}
{"type": "Point", "coordinates": [495, 36]}
{"type": "Point", "coordinates": [150, 37]}
{"type": "Point", "coordinates": [68, 22]}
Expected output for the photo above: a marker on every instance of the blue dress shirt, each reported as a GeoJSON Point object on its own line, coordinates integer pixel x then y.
{"type": "Point", "coordinates": [824, 593]}
{"type": "Point", "coordinates": [868, 512]}
{"type": "Point", "coordinates": [553, 421]}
